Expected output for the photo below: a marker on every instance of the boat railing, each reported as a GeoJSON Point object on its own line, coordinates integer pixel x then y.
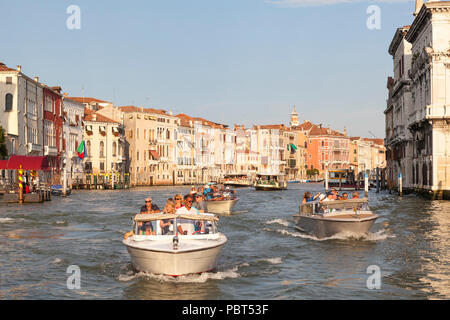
{"type": "Point", "coordinates": [316, 207]}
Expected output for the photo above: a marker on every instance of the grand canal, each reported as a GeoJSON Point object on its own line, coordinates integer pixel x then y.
{"type": "Point", "coordinates": [265, 257]}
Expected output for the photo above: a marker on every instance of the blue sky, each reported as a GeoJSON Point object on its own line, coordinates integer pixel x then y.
{"type": "Point", "coordinates": [230, 61]}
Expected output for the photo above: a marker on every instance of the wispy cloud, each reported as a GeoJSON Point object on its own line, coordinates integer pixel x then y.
{"type": "Point", "coordinates": [309, 3]}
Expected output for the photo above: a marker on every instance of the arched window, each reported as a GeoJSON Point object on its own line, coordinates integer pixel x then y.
{"type": "Point", "coordinates": [114, 149]}
{"type": "Point", "coordinates": [102, 149]}
{"type": "Point", "coordinates": [168, 134]}
{"type": "Point", "coordinates": [8, 102]}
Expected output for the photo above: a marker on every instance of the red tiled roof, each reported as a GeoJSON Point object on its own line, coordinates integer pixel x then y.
{"type": "Point", "coordinates": [87, 100]}
{"type": "Point", "coordinates": [3, 67]}
{"type": "Point", "coordinates": [376, 141]}
{"type": "Point", "coordinates": [139, 109]}
{"type": "Point", "coordinates": [271, 126]}
{"type": "Point", "coordinates": [99, 118]}
{"type": "Point", "coordinates": [307, 125]}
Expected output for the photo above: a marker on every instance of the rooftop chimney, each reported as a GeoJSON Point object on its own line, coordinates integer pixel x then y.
{"type": "Point", "coordinates": [36, 79]}
{"type": "Point", "coordinates": [19, 68]}
{"type": "Point", "coordinates": [94, 117]}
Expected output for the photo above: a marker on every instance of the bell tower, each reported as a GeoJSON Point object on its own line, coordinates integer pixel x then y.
{"type": "Point", "coordinates": [294, 118]}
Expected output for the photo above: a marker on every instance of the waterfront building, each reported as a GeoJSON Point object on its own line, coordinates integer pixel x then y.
{"type": "Point", "coordinates": [21, 103]}
{"type": "Point", "coordinates": [353, 152]}
{"type": "Point", "coordinates": [187, 173]}
{"type": "Point", "coordinates": [366, 155]}
{"type": "Point", "coordinates": [270, 146]}
{"type": "Point", "coordinates": [327, 149]}
{"type": "Point", "coordinates": [73, 128]}
{"type": "Point", "coordinates": [105, 146]}
{"type": "Point", "coordinates": [399, 140]}
{"type": "Point", "coordinates": [427, 115]}
{"type": "Point", "coordinates": [151, 145]}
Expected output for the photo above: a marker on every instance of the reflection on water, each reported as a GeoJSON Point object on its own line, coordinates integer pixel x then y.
{"type": "Point", "coordinates": [266, 257]}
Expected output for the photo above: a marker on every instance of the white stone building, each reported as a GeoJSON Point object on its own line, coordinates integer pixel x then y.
{"type": "Point", "coordinates": [427, 115]}
{"type": "Point", "coordinates": [72, 137]}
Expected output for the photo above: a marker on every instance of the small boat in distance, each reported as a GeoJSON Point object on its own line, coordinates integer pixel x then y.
{"type": "Point", "coordinates": [328, 218]}
{"type": "Point", "coordinates": [271, 182]}
{"type": "Point", "coordinates": [343, 180]}
{"type": "Point", "coordinates": [175, 254]}
{"type": "Point", "coordinates": [236, 180]}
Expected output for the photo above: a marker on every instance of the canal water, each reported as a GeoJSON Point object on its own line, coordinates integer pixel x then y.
{"type": "Point", "coordinates": [265, 257]}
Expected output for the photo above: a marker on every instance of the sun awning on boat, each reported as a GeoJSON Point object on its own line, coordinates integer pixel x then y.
{"type": "Point", "coordinates": [155, 154]}
{"type": "Point", "coordinates": [25, 162]}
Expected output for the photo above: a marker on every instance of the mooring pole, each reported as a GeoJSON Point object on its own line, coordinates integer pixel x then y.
{"type": "Point", "coordinates": [366, 185]}
{"type": "Point", "coordinates": [378, 180]}
{"type": "Point", "coordinates": [20, 171]}
{"type": "Point", "coordinates": [400, 184]}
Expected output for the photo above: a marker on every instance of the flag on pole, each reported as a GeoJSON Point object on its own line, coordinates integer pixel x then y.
{"type": "Point", "coordinates": [81, 150]}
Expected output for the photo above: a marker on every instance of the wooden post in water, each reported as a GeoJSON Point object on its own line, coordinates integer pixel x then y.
{"type": "Point", "coordinates": [64, 182]}
{"type": "Point", "coordinates": [378, 180]}
{"type": "Point", "coordinates": [366, 185]}
{"type": "Point", "coordinates": [400, 184]}
{"type": "Point", "coordinates": [326, 179]}
{"type": "Point", "coordinates": [112, 180]}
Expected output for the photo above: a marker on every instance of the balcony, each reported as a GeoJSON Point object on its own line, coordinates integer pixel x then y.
{"type": "Point", "coordinates": [50, 151]}
{"type": "Point", "coordinates": [31, 147]}
{"type": "Point", "coordinates": [438, 112]}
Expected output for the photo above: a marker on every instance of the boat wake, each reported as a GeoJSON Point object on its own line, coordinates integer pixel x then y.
{"type": "Point", "coordinates": [279, 221]}
{"type": "Point", "coordinates": [375, 236]}
{"type": "Point", "coordinates": [10, 220]}
{"type": "Point", "coordinates": [191, 278]}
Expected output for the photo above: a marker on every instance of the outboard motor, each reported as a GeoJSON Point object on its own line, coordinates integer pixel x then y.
{"type": "Point", "coordinates": [175, 243]}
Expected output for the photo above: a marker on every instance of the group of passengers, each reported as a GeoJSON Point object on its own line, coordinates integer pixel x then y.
{"type": "Point", "coordinates": [214, 192]}
{"type": "Point", "coordinates": [329, 196]}
{"type": "Point", "coordinates": [192, 204]}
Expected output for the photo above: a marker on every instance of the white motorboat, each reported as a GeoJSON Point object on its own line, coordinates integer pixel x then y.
{"type": "Point", "coordinates": [175, 254]}
{"type": "Point", "coordinates": [328, 218]}
{"type": "Point", "coordinates": [224, 206]}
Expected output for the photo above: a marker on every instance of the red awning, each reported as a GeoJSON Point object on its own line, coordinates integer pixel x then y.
{"type": "Point", "coordinates": [155, 154]}
{"type": "Point", "coordinates": [27, 163]}
{"type": "Point", "coordinates": [3, 164]}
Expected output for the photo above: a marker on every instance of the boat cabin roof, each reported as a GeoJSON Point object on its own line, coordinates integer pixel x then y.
{"type": "Point", "coordinates": [336, 204]}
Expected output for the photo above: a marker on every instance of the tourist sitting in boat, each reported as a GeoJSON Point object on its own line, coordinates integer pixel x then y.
{"type": "Point", "coordinates": [344, 196]}
{"type": "Point", "coordinates": [165, 224]}
{"type": "Point", "coordinates": [148, 228]}
{"type": "Point", "coordinates": [355, 195]}
{"type": "Point", "coordinates": [193, 190]}
{"type": "Point", "coordinates": [308, 197]}
{"type": "Point", "coordinates": [187, 226]}
{"type": "Point", "coordinates": [199, 204]}
{"type": "Point", "coordinates": [178, 201]}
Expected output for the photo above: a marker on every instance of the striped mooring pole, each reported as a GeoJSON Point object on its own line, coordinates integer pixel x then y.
{"type": "Point", "coordinates": [20, 171]}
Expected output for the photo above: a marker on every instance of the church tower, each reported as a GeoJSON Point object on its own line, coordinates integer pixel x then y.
{"type": "Point", "coordinates": [294, 118]}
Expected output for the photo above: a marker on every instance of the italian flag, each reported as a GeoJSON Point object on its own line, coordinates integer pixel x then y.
{"type": "Point", "coordinates": [81, 150]}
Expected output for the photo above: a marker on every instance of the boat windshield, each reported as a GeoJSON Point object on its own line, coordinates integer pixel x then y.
{"type": "Point", "coordinates": [170, 224]}
{"type": "Point", "coordinates": [316, 207]}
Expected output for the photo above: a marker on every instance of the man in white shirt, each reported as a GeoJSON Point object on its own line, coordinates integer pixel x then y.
{"type": "Point", "coordinates": [187, 227]}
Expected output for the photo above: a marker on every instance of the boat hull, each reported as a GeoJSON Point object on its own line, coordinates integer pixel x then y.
{"type": "Point", "coordinates": [221, 206]}
{"type": "Point", "coordinates": [269, 188]}
{"type": "Point", "coordinates": [176, 263]}
{"type": "Point", "coordinates": [321, 227]}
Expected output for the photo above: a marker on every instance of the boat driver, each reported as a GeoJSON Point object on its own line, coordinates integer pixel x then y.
{"type": "Point", "coordinates": [189, 226]}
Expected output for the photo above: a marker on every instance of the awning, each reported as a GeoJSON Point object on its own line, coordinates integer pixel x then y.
{"type": "Point", "coordinates": [155, 154]}
{"type": "Point", "coordinates": [27, 163]}
{"type": "Point", "coordinates": [293, 146]}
